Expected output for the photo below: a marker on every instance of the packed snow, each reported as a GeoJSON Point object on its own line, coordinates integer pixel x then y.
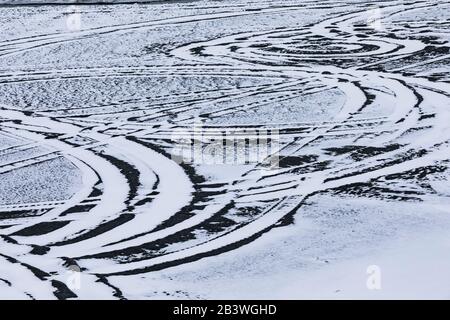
{"type": "Point", "coordinates": [272, 149]}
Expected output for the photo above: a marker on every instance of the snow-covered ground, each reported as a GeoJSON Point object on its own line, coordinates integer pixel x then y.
{"type": "Point", "coordinates": [225, 149]}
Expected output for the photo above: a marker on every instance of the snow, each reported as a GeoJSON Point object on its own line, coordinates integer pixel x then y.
{"type": "Point", "coordinates": [337, 173]}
